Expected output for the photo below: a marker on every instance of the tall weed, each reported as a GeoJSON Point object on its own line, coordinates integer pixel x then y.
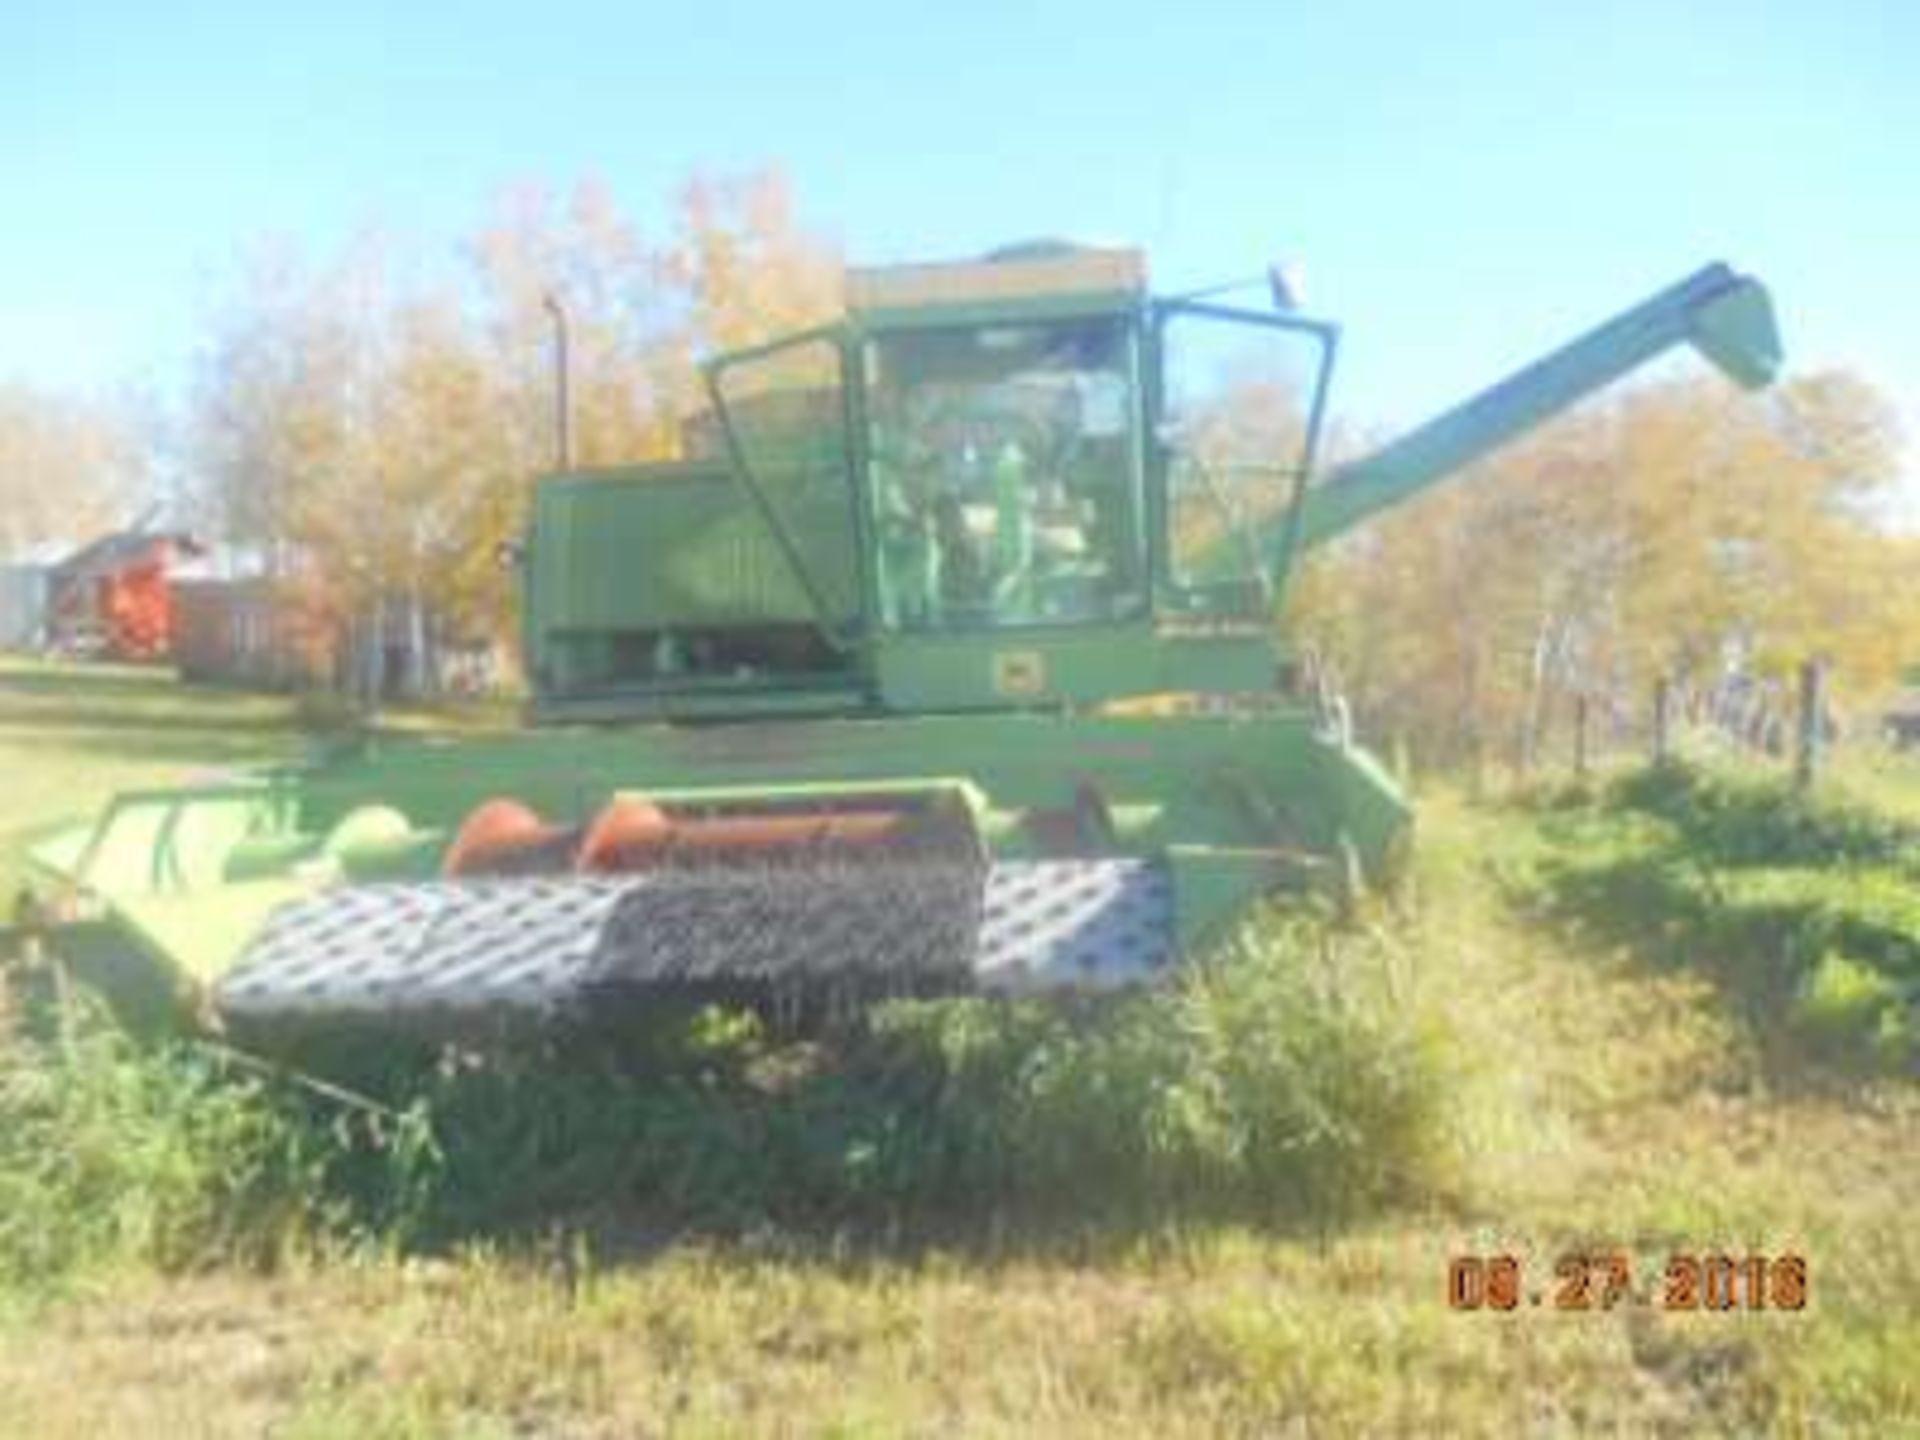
{"type": "Point", "coordinates": [116, 1152]}
{"type": "Point", "coordinates": [1280, 1080]}
{"type": "Point", "coordinates": [1286, 1080]}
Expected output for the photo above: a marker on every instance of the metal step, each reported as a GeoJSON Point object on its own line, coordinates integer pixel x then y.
{"type": "Point", "coordinates": [553, 942]}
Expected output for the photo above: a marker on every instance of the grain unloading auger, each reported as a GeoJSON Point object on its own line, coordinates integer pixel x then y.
{"type": "Point", "coordinates": [947, 662]}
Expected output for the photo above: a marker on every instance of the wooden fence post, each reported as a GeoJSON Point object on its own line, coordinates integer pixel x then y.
{"type": "Point", "coordinates": [1662, 719]}
{"type": "Point", "coordinates": [1807, 737]}
{"type": "Point", "coordinates": [1582, 716]}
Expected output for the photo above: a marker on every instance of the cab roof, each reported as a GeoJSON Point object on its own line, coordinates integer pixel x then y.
{"type": "Point", "coordinates": [1036, 280]}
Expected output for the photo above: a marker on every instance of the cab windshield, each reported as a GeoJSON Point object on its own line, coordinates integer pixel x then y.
{"type": "Point", "coordinates": [1006, 483]}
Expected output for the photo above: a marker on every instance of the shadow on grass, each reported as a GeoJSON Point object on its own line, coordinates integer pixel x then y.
{"type": "Point", "coordinates": [102, 708]}
{"type": "Point", "coordinates": [122, 713]}
{"type": "Point", "coordinates": [992, 1238]}
{"type": "Point", "coordinates": [182, 746]}
{"type": "Point", "coordinates": [1672, 908]}
{"type": "Point", "coordinates": [943, 1127]}
{"type": "Point", "coordinates": [146, 718]}
{"type": "Point", "coordinates": [63, 681]}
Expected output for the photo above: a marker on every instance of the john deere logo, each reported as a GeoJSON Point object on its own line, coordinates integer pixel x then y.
{"type": "Point", "coordinates": [1019, 672]}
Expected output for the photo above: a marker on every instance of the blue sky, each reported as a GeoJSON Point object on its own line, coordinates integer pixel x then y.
{"type": "Point", "coordinates": [1464, 184]}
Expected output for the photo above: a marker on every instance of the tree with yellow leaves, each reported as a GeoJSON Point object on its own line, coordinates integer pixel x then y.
{"type": "Point", "coordinates": [1680, 530]}
{"type": "Point", "coordinates": [375, 424]}
{"type": "Point", "coordinates": [68, 468]}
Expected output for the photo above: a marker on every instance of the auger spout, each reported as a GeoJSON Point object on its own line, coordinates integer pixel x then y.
{"type": "Point", "coordinates": [1727, 317]}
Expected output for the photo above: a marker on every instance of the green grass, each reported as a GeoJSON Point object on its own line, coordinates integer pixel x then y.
{"type": "Point", "coordinates": [1805, 908]}
{"type": "Point", "coordinates": [112, 1156]}
{"type": "Point", "coordinates": [1585, 1091]}
{"type": "Point", "coordinates": [71, 736]}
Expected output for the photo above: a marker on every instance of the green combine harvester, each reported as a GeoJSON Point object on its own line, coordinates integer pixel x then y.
{"type": "Point", "coordinates": [945, 662]}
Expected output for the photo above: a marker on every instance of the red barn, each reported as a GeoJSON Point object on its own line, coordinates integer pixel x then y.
{"type": "Point", "coordinates": [114, 598]}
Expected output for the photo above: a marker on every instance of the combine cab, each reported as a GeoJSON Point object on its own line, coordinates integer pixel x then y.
{"type": "Point", "coordinates": [947, 665]}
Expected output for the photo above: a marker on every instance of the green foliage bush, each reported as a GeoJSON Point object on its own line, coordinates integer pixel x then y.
{"type": "Point", "coordinates": [1277, 1082]}
{"type": "Point", "coordinates": [1807, 905]}
{"type": "Point", "coordinates": [1730, 819]}
{"type": "Point", "coordinates": [115, 1152]}
{"type": "Point", "coordinates": [1841, 999]}
{"type": "Point", "coordinates": [109, 1154]}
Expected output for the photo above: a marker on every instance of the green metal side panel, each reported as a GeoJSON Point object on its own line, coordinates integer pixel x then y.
{"type": "Point", "coordinates": [1050, 666]}
{"type": "Point", "coordinates": [1234, 779]}
{"type": "Point", "coordinates": [653, 547]}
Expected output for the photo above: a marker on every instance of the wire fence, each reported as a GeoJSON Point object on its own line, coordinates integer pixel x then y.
{"type": "Point", "coordinates": [1790, 724]}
